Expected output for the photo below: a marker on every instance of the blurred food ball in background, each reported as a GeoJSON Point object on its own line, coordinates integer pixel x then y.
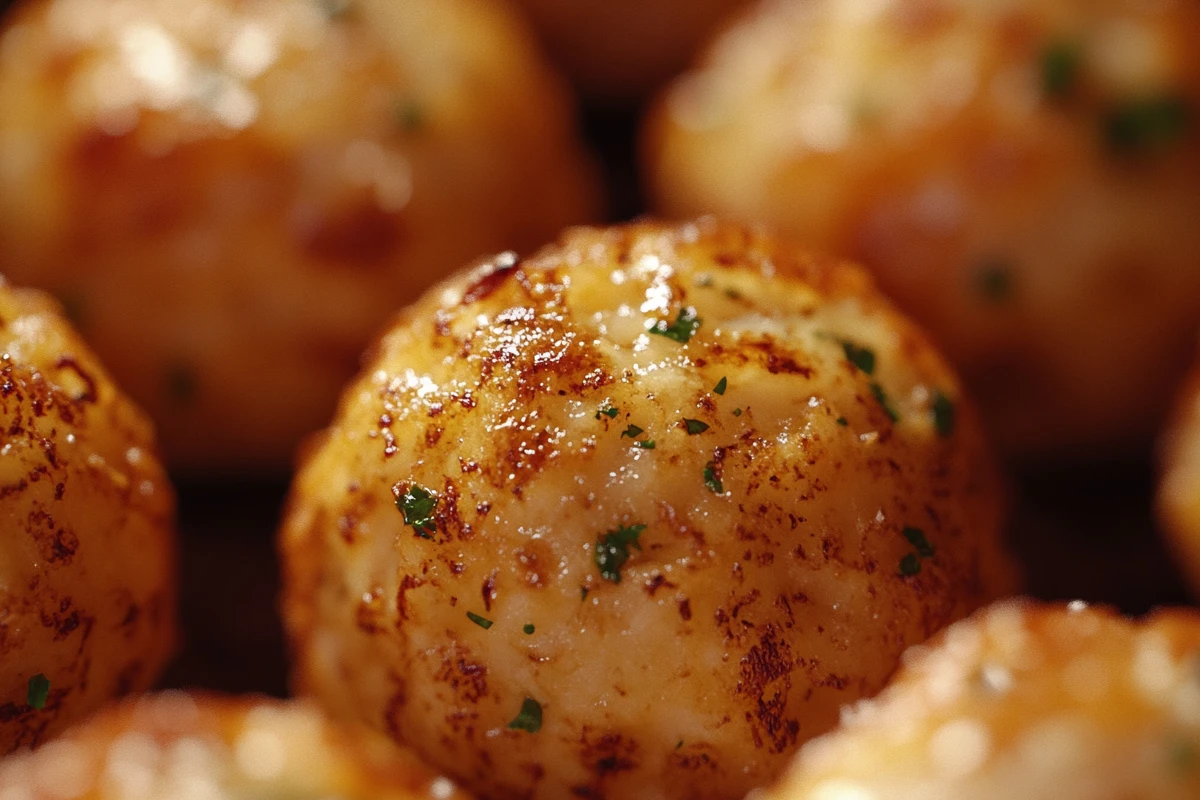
{"type": "Point", "coordinates": [618, 51]}
{"type": "Point", "coordinates": [87, 533]}
{"type": "Point", "coordinates": [1179, 492]}
{"type": "Point", "coordinates": [176, 746]}
{"type": "Point", "coordinates": [635, 516]}
{"type": "Point", "coordinates": [230, 197]}
{"type": "Point", "coordinates": [1023, 700]}
{"type": "Point", "coordinates": [1022, 176]}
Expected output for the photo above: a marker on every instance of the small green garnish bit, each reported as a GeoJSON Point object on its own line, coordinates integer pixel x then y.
{"type": "Point", "coordinates": [1061, 63]}
{"type": "Point", "coordinates": [916, 537]}
{"type": "Point", "coordinates": [482, 622]}
{"type": "Point", "coordinates": [682, 329]}
{"type": "Point", "coordinates": [418, 505]}
{"type": "Point", "coordinates": [1182, 755]}
{"type": "Point", "coordinates": [633, 431]}
{"type": "Point", "coordinates": [607, 411]}
{"type": "Point", "coordinates": [886, 404]}
{"type": "Point", "coordinates": [704, 281]}
{"type": "Point", "coordinates": [528, 628]}
{"type": "Point", "coordinates": [38, 691]}
{"type": "Point", "coordinates": [1147, 124]}
{"type": "Point", "coordinates": [409, 115]}
{"type": "Point", "coordinates": [861, 357]}
{"type": "Point", "coordinates": [711, 480]}
{"type": "Point", "coordinates": [842, 421]}
{"type": "Point", "coordinates": [530, 717]}
{"type": "Point", "coordinates": [694, 426]}
{"type": "Point", "coordinates": [612, 551]}
{"type": "Point", "coordinates": [679, 744]}
{"type": "Point", "coordinates": [645, 444]}
{"type": "Point", "coordinates": [583, 593]}
{"type": "Point", "coordinates": [335, 9]}
{"type": "Point", "coordinates": [910, 565]}
{"type": "Point", "coordinates": [721, 386]}
{"type": "Point", "coordinates": [995, 282]}
{"type": "Point", "coordinates": [945, 415]}
{"type": "Point", "coordinates": [737, 412]}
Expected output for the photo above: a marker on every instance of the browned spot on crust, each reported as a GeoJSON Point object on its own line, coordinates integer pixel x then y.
{"type": "Point", "coordinates": [765, 679]}
{"type": "Point", "coordinates": [489, 283]}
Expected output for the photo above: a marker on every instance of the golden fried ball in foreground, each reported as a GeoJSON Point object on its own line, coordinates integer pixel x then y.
{"type": "Point", "coordinates": [1179, 492]}
{"type": "Point", "coordinates": [1022, 176]}
{"type": "Point", "coordinates": [87, 584]}
{"type": "Point", "coordinates": [180, 747]}
{"type": "Point", "coordinates": [1024, 701]}
{"type": "Point", "coordinates": [231, 197]}
{"type": "Point", "coordinates": [634, 517]}
{"type": "Point", "coordinates": [619, 50]}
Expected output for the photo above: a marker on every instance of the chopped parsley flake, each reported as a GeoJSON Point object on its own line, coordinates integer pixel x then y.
{"type": "Point", "coordinates": [409, 115]}
{"type": "Point", "coordinates": [612, 551]}
{"type": "Point", "coordinates": [704, 280]}
{"type": "Point", "coordinates": [530, 717]}
{"type": "Point", "coordinates": [633, 431]}
{"type": "Point", "coordinates": [995, 282]}
{"type": "Point", "coordinates": [916, 537]}
{"type": "Point", "coordinates": [694, 426]}
{"type": "Point", "coordinates": [1061, 62]}
{"type": "Point", "coordinates": [721, 386]}
{"type": "Point", "coordinates": [711, 480]}
{"type": "Point", "coordinates": [910, 565]}
{"type": "Point", "coordinates": [945, 414]}
{"type": "Point", "coordinates": [737, 412]}
{"type": "Point", "coordinates": [645, 444]}
{"type": "Point", "coordinates": [38, 691]}
{"type": "Point", "coordinates": [418, 504]}
{"type": "Point", "coordinates": [861, 357]}
{"type": "Point", "coordinates": [528, 628]}
{"type": "Point", "coordinates": [607, 411]}
{"type": "Point", "coordinates": [886, 404]}
{"type": "Point", "coordinates": [682, 329]}
{"type": "Point", "coordinates": [1147, 124]}
{"type": "Point", "coordinates": [482, 622]}
{"type": "Point", "coordinates": [842, 421]}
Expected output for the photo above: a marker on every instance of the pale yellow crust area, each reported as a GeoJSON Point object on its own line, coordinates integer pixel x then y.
{"type": "Point", "coordinates": [1179, 490]}
{"type": "Point", "coordinates": [87, 578]}
{"type": "Point", "coordinates": [1039, 702]}
{"type": "Point", "coordinates": [175, 746]}
{"type": "Point", "coordinates": [772, 581]}
{"type": "Point", "coordinates": [1023, 177]}
{"type": "Point", "coordinates": [231, 196]}
{"type": "Point", "coordinates": [618, 51]}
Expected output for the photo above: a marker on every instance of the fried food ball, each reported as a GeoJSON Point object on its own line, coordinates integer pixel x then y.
{"type": "Point", "coordinates": [1023, 177]}
{"type": "Point", "coordinates": [173, 745]}
{"type": "Point", "coordinates": [87, 583]}
{"type": "Point", "coordinates": [231, 197]}
{"type": "Point", "coordinates": [635, 516]}
{"type": "Point", "coordinates": [618, 51]}
{"type": "Point", "coordinates": [1023, 700]}
{"type": "Point", "coordinates": [1179, 492]}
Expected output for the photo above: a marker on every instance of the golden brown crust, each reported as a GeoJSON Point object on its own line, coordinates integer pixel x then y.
{"type": "Point", "coordinates": [779, 504]}
{"type": "Point", "coordinates": [174, 745]}
{"type": "Point", "coordinates": [278, 178]}
{"type": "Point", "coordinates": [1179, 490]}
{"type": "Point", "coordinates": [1022, 178]}
{"type": "Point", "coordinates": [1024, 700]}
{"type": "Point", "coordinates": [87, 580]}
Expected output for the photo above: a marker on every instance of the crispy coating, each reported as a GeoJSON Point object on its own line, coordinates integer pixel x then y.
{"type": "Point", "coordinates": [231, 196]}
{"type": "Point", "coordinates": [620, 50]}
{"type": "Point", "coordinates": [682, 553]}
{"type": "Point", "coordinates": [178, 747]}
{"type": "Point", "coordinates": [87, 583]}
{"type": "Point", "coordinates": [1179, 491]}
{"type": "Point", "coordinates": [1024, 701]}
{"type": "Point", "coordinates": [1023, 177]}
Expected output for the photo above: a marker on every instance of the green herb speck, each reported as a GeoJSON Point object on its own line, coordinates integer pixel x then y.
{"type": "Point", "coordinates": [646, 444]}
{"type": "Point", "coordinates": [530, 717]}
{"type": "Point", "coordinates": [38, 691]}
{"type": "Point", "coordinates": [916, 537]}
{"type": "Point", "coordinates": [694, 426]}
{"type": "Point", "coordinates": [409, 115]}
{"type": "Point", "coordinates": [528, 628]}
{"type": "Point", "coordinates": [482, 622]}
{"type": "Point", "coordinates": [612, 550]}
{"type": "Point", "coordinates": [945, 414]}
{"type": "Point", "coordinates": [737, 412]}
{"type": "Point", "coordinates": [607, 411]}
{"type": "Point", "coordinates": [884, 403]}
{"type": "Point", "coordinates": [842, 421]}
{"type": "Point", "coordinates": [583, 593]}
{"type": "Point", "coordinates": [721, 386]}
{"type": "Point", "coordinates": [861, 357]}
{"type": "Point", "coordinates": [418, 504]}
{"type": "Point", "coordinates": [711, 480]}
{"type": "Point", "coordinates": [704, 280]}
{"type": "Point", "coordinates": [995, 281]}
{"type": "Point", "coordinates": [633, 431]}
{"type": "Point", "coordinates": [682, 329]}
{"type": "Point", "coordinates": [335, 9]}
{"type": "Point", "coordinates": [1183, 755]}
{"type": "Point", "coordinates": [910, 565]}
{"type": "Point", "coordinates": [1061, 62]}
{"type": "Point", "coordinates": [1147, 124]}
